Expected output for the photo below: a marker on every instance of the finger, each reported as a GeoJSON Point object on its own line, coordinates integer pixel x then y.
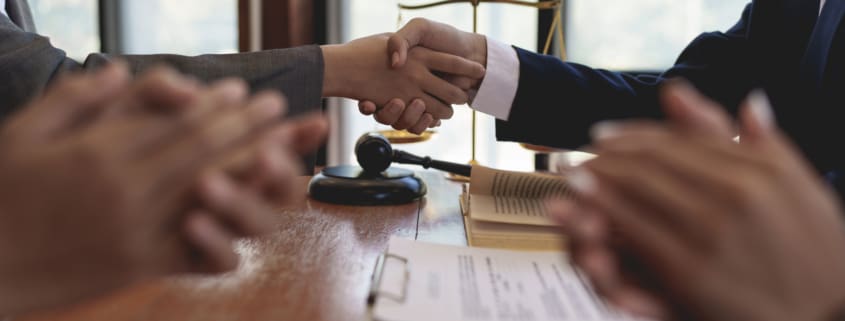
{"type": "Point", "coordinates": [307, 133]}
{"type": "Point", "coordinates": [687, 108]}
{"type": "Point", "coordinates": [408, 37]}
{"type": "Point", "coordinates": [664, 197]}
{"type": "Point", "coordinates": [756, 117]}
{"type": "Point", "coordinates": [638, 302]}
{"type": "Point", "coordinates": [198, 142]}
{"type": "Point", "coordinates": [76, 97]}
{"type": "Point", "coordinates": [464, 83]}
{"type": "Point", "coordinates": [223, 94]}
{"type": "Point", "coordinates": [607, 132]}
{"type": "Point", "coordinates": [653, 241]}
{"type": "Point", "coordinates": [443, 90]}
{"type": "Point", "coordinates": [450, 64]}
{"type": "Point", "coordinates": [423, 33]}
{"type": "Point", "coordinates": [277, 172]}
{"type": "Point", "coordinates": [206, 104]}
{"type": "Point", "coordinates": [411, 115]}
{"type": "Point", "coordinates": [213, 240]}
{"type": "Point", "coordinates": [759, 127]}
{"type": "Point", "coordinates": [367, 108]}
{"type": "Point", "coordinates": [247, 213]}
{"type": "Point", "coordinates": [422, 125]}
{"type": "Point", "coordinates": [165, 90]}
{"type": "Point", "coordinates": [391, 113]}
{"type": "Point", "coordinates": [582, 225]}
{"type": "Point", "coordinates": [267, 169]}
{"type": "Point", "coordinates": [694, 156]}
{"type": "Point", "coordinates": [601, 266]}
{"type": "Point", "coordinates": [436, 107]}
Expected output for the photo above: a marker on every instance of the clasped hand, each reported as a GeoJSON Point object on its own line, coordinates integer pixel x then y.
{"type": "Point", "coordinates": [107, 182]}
{"type": "Point", "coordinates": [677, 221]}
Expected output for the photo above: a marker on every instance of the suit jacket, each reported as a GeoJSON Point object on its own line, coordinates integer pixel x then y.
{"type": "Point", "coordinates": [28, 63]}
{"type": "Point", "coordinates": [557, 102]}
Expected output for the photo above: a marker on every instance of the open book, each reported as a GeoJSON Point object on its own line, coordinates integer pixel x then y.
{"type": "Point", "coordinates": [507, 209]}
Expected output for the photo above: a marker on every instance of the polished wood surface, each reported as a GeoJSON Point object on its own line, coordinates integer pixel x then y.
{"type": "Point", "coordinates": [317, 266]}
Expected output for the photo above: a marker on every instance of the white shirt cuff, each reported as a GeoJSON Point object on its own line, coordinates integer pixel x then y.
{"type": "Point", "coordinates": [498, 88]}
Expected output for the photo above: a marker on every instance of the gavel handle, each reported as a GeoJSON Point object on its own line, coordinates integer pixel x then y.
{"type": "Point", "coordinates": [402, 157]}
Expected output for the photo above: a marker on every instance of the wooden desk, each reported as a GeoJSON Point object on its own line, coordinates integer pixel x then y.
{"type": "Point", "coordinates": [316, 267]}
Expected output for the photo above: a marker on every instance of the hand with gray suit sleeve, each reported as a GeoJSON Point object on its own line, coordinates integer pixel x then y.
{"type": "Point", "coordinates": [359, 70]}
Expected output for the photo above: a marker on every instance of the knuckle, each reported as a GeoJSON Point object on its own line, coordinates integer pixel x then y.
{"type": "Point", "coordinates": [417, 77]}
{"type": "Point", "coordinates": [459, 96]}
{"type": "Point", "coordinates": [419, 22]}
{"type": "Point", "coordinates": [417, 54]}
{"type": "Point", "coordinates": [203, 139]}
{"type": "Point", "coordinates": [71, 86]}
{"type": "Point", "coordinates": [385, 117]}
{"type": "Point", "coordinates": [402, 124]}
{"type": "Point", "coordinates": [744, 194]}
{"type": "Point", "coordinates": [88, 155]}
{"type": "Point", "coordinates": [447, 113]}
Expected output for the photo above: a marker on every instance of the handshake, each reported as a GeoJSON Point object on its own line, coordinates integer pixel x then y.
{"type": "Point", "coordinates": [429, 67]}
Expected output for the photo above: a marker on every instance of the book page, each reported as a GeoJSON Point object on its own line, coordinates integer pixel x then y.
{"type": "Point", "coordinates": [488, 181]}
{"type": "Point", "coordinates": [453, 283]}
{"type": "Point", "coordinates": [513, 210]}
{"type": "Point", "coordinates": [513, 197]}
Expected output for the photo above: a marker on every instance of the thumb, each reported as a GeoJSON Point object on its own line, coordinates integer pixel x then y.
{"type": "Point", "coordinates": [756, 117]}
{"type": "Point", "coordinates": [402, 41]}
{"type": "Point", "coordinates": [306, 134]}
{"type": "Point", "coordinates": [165, 89]}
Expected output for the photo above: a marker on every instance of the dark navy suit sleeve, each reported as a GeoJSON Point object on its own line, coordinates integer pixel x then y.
{"type": "Point", "coordinates": [557, 102]}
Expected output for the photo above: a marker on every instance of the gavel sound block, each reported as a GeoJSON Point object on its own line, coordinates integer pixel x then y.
{"type": "Point", "coordinates": [375, 183]}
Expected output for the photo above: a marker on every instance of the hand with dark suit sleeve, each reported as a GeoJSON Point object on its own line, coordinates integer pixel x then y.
{"type": "Point", "coordinates": [676, 221]}
{"type": "Point", "coordinates": [717, 63]}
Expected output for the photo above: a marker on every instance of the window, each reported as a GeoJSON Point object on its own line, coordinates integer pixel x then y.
{"type": "Point", "coordinates": [642, 35]}
{"type": "Point", "coordinates": [188, 27]}
{"type": "Point", "coordinates": [614, 34]}
{"type": "Point", "coordinates": [53, 17]}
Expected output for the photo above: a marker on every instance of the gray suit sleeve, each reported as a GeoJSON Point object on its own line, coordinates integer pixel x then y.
{"type": "Point", "coordinates": [28, 63]}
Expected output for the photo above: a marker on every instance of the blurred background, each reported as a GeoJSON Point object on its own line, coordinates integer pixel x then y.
{"type": "Point", "coordinates": [621, 35]}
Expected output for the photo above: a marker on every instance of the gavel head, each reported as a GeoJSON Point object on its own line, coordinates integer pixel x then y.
{"type": "Point", "coordinates": [374, 153]}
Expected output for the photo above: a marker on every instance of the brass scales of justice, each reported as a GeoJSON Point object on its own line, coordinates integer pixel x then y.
{"type": "Point", "coordinates": [401, 137]}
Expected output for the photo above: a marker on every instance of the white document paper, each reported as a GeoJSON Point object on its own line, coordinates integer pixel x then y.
{"type": "Point", "coordinates": [449, 283]}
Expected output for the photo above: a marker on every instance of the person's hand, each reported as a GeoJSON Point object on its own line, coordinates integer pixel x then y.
{"type": "Point", "coordinates": [361, 70]}
{"type": "Point", "coordinates": [94, 193]}
{"type": "Point", "coordinates": [236, 199]}
{"type": "Point", "coordinates": [718, 230]}
{"type": "Point", "coordinates": [436, 36]}
{"type": "Point", "coordinates": [423, 33]}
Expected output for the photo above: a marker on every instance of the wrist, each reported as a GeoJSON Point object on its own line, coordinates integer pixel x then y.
{"type": "Point", "coordinates": [333, 71]}
{"type": "Point", "coordinates": [478, 52]}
